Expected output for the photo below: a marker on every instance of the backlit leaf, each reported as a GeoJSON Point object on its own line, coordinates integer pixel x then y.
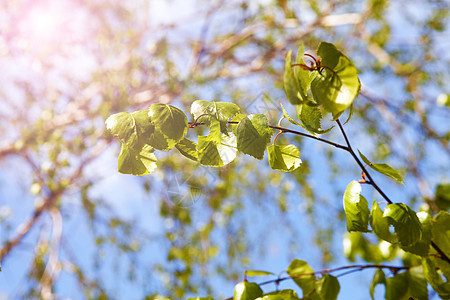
{"type": "Point", "coordinates": [335, 89]}
{"type": "Point", "coordinates": [303, 76]}
{"type": "Point", "coordinates": [169, 120]}
{"type": "Point", "coordinates": [188, 148]}
{"type": "Point", "coordinates": [440, 231]}
{"type": "Point", "coordinates": [280, 295]}
{"type": "Point", "coordinates": [397, 286]}
{"type": "Point", "coordinates": [406, 223]}
{"type": "Point", "coordinates": [422, 246]}
{"type": "Point", "coordinates": [328, 287]}
{"type": "Point", "coordinates": [284, 158]}
{"type": "Point", "coordinates": [417, 283]}
{"type": "Point", "coordinates": [384, 169]}
{"type": "Point", "coordinates": [136, 162]}
{"type": "Point", "coordinates": [435, 279]}
{"type": "Point", "coordinates": [247, 291]}
{"type": "Point", "coordinates": [291, 85]}
{"type": "Point", "coordinates": [253, 135]}
{"type": "Point", "coordinates": [221, 111]}
{"type": "Point", "coordinates": [257, 273]}
{"type": "Point", "coordinates": [378, 278]}
{"type": "Point", "coordinates": [306, 282]}
{"type": "Point", "coordinates": [356, 208]}
{"type": "Point", "coordinates": [216, 154]}
{"type": "Point", "coordinates": [380, 224]}
{"type": "Point", "coordinates": [311, 117]}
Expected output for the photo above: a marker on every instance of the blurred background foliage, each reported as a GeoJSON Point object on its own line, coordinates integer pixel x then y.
{"type": "Point", "coordinates": [71, 226]}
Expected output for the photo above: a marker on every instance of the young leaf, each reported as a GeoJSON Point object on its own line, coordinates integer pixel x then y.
{"type": "Point", "coordinates": [440, 231]}
{"type": "Point", "coordinates": [328, 287]}
{"type": "Point", "coordinates": [135, 162]}
{"type": "Point", "coordinates": [380, 225]}
{"type": "Point", "coordinates": [284, 158]}
{"type": "Point", "coordinates": [171, 121]}
{"type": "Point", "coordinates": [131, 129]}
{"type": "Point", "coordinates": [253, 135]}
{"type": "Point", "coordinates": [378, 278]}
{"type": "Point", "coordinates": [291, 85]}
{"type": "Point", "coordinates": [221, 111]}
{"type": "Point", "coordinates": [216, 154]}
{"type": "Point", "coordinates": [286, 115]}
{"type": "Point", "coordinates": [311, 117]}
{"type": "Point", "coordinates": [303, 76]}
{"type": "Point", "coordinates": [417, 283]}
{"type": "Point", "coordinates": [422, 246]}
{"type": "Point", "coordinates": [397, 286]}
{"type": "Point", "coordinates": [406, 223]}
{"type": "Point", "coordinates": [384, 169]}
{"type": "Point", "coordinates": [247, 291]}
{"type": "Point", "coordinates": [306, 282]}
{"type": "Point", "coordinates": [435, 279]}
{"type": "Point", "coordinates": [257, 273]}
{"type": "Point", "coordinates": [356, 208]}
{"type": "Point", "coordinates": [188, 148]}
{"type": "Point", "coordinates": [338, 86]}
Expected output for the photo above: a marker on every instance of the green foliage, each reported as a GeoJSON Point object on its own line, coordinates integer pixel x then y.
{"type": "Point", "coordinates": [338, 85]}
{"type": "Point", "coordinates": [302, 275]}
{"type": "Point", "coordinates": [406, 223]}
{"type": "Point", "coordinates": [135, 162]}
{"type": "Point", "coordinates": [384, 169]}
{"type": "Point", "coordinates": [378, 278]}
{"type": "Point", "coordinates": [442, 196]}
{"type": "Point", "coordinates": [356, 208]}
{"type": "Point", "coordinates": [380, 224]}
{"type": "Point", "coordinates": [253, 135]}
{"type": "Point", "coordinates": [280, 295]}
{"type": "Point", "coordinates": [284, 158]}
{"type": "Point", "coordinates": [294, 93]}
{"type": "Point", "coordinates": [247, 291]}
{"type": "Point", "coordinates": [328, 287]}
{"type": "Point", "coordinates": [257, 273]}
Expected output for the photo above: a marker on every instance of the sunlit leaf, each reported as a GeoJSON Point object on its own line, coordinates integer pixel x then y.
{"type": "Point", "coordinates": [216, 154]}
{"type": "Point", "coordinates": [303, 76]}
{"type": "Point", "coordinates": [335, 89]}
{"type": "Point", "coordinates": [442, 196]}
{"type": "Point", "coordinates": [137, 162]}
{"type": "Point", "coordinates": [307, 281]}
{"type": "Point", "coordinates": [257, 273]}
{"type": "Point", "coordinates": [356, 208]}
{"type": "Point", "coordinates": [422, 246]}
{"type": "Point", "coordinates": [168, 119]}
{"type": "Point", "coordinates": [406, 223]}
{"type": "Point", "coordinates": [384, 169]}
{"type": "Point", "coordinates": [440, 231]}
{"type": "Point", "coordinates": [417, 283]}
{"type": "Point", "coordinates": [286, 115]}
{"type": "Point", "coordinates": [253, 135]}
{"type": "Point", "coordinates": [247, 291]}
{"type": "Point", "coordinates": [328, 287]}
{"type": "Point", "coordinates": [435, 279]}
{"type": "Point", "coordinates": [221, 111]}
{"type": "Point", "coordinates": [378, 278]}
{"type": "Point", "coordinates": [380, 224]}
{"type": "Point", "coordinates": [284, 158]}
{"type": "Point", "coordinates": [291, 85]}
{"type": "Point", "coordinates": [188, 148]}
{"type": "Point", "coordinates": [311, 117]}
{"type": "Point", "coordinates": [397, 286]}
{"type": "Point", "coordinates": [356, 244]}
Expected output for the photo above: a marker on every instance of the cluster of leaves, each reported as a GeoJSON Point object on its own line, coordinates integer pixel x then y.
{"type": "Point", "coordinates": [327, 86]}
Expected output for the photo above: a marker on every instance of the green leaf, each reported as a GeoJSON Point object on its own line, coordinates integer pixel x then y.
{"type": "Point", "coordinates": [280, 295]}
{"type": "Point", "coordinates": [328, 287]}
{"type": "Point", "coordinates": [422, 246]}
{"type": "Point", "coordinates": [435, 279]}
{"type": "Point", "coordinates": [131, 129]}
{"type": "Point", "coordinates": [335, 89]}
{"type": "Point", "coordinates": [355, 243]}
{"type": "Point", "coordinates": [303, 76]}
{"type": "Point", "coordinates": [136, 162]}
{"type": "Point", "coordinates": [356, 208]}
{"type": "Point", "coordinates": [291, 85]}
{"type": "Point", "coordinates": [284, 158]}
{"type": "Point", "coordinates": [440, 231]}
{"type": "Point", "coordinates": [305, 282]}
{"type": "Point", "coordinates": [380, 224]}
{"type": "Point", "coordinates": [188, 148]}
{"type": "Point", "coordinates": [442, 196]}
{"type": "Point", "coordinates": [383, 169]}
{"type": "Point", "coordinates": [286, 115]}
{"type": "Point", "coordinates": [216, 154]}
{"type": "Point", "coordinates": [406, 223]}
{"type": "Point", "coordinates": [247, 291]}
{"type": "Point", "coordinates": [253, 135]}
{"type": "Point", "coordinates": [417, 283]}
{"type": "Point", "coordinates": [169, 120]}
{"type": "Point", "coordinates": [221, 111]}
{"type": "Point", "coordinates": [378, 278]}
{"type": "Point", "coordinates": [311, 117]}
{"type": "Point", "coordinates": [397, 286]}
{"type": "Point", "coordinates": [257, 273]}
